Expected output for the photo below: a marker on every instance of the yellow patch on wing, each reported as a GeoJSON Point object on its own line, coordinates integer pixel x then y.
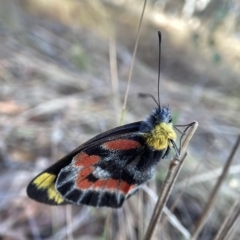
{"type": "Point", "coordinates": [159, 137]}
{"type": "Point", "coordinates": [45, 181]}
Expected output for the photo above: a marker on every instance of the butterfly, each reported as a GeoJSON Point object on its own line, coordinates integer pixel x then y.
{"type": "Point", "coordinates": [110, 167]}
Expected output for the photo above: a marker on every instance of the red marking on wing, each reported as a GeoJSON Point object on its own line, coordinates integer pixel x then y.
{"type": "Point", "coordinates": [121, 144]}
{"type": "Point", "coordinates": [109, 184]}
{"type": "Point", "coordinates": [85, 172]}
{"type": "Point", "coordinates": [112, 184]}
{"type": "Point", "coordinates": [81, 181]}
{"type": "Point", "coordinates": [84, 160]}
{"type": "Point", "coordinates": [124, 187]}
{"type": "Point", "coordinates": [99, 183]}
{"type": "Point", "coordinates": [84, 184]}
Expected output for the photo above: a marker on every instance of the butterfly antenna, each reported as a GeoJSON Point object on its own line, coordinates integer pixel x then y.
{"type": "Point", "coordinates": [159, 65]}
{"type": "Point", "coordinates": [146, 95]}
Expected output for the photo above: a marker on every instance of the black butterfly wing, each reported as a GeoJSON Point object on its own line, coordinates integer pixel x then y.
{"type": "Point", "coordinates": [102, 172]}
{"type": "Point", "coordinates": [108, 172]}
{"type": "Point", "coordinates": [42, 187]}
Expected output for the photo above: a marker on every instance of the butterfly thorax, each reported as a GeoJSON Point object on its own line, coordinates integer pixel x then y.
{"type": "Point", "coordinates": [159, 137]}
{"type": "Point", "coordinates": [158, 129]}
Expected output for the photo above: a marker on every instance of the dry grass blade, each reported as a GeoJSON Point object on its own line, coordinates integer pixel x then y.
{"type": "Point", "coordinates": [173, 171]}
{"type": "Point", "coordinates": [172, 218]}
{"type": "Point", "coordinates": [223, 228]}
{"type": "Point", "coordinates": [107, 225]}
{"type": "Point", "coordinates": [178, 197]}
{"type": "Point", "coordinates": [69, 222]}
{"type": "Point", "coordinates": [163, 197]}
{"type": "Point", "coordinates": [140, 216]}
{"type": "Point", "coordinates": [183, 188]}
{"type": "Point", "coordinates": [208, 176]}
{"type": "Point", "coordinates": [34, 227]}
{"type": "Point", "coordinates": [132, 63]}
{"type": "Point", "coordinates": [231, 225]}
{"type": "Point", "coordinates": [200, 223]}
{"type": "Point", "coordinates": [114, 70]}
{"type": "Point", "coordinates": [76, 222]}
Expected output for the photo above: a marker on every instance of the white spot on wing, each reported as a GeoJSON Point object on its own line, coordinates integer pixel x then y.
{"type": "Point", "coordinates": [101, 173]}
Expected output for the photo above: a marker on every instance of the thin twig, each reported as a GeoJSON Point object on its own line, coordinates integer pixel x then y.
{"type": "Point", "coordinates": [77, 222]}
{"type": "Point", "coordinates": [231, 225]}
{"type": "Point", "coordinates": [114, 70]}
{"type": "Point", "coordinates": [69, 222]}
{"type": "Point", "coordinates": [108, 225]}
{"type": "Point", "coordinates": [34, 227]}
{"type": "Point", "coordinates": [182, 189]}
{"type": "Point", "coordinates": [202, 219]}
{"type": "Point", "coordinates": [163, 197]}
{"type": "Point", "coordinates": [141, 215]}
{"type": "Point", "coordinates": [224, 226]}
{"type": "Point", "coordinates": [168, 184]}
{"type": "Point", "coordinates": [132, 63]}
{"type": "Point", "coordinates": [172, 218]}
{"type": "Point", "coordinates": [189, 136]}
{"type": "Point", "coordinates": [129, 222]}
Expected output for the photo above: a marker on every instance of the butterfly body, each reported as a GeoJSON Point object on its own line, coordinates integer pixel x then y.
{"type": "Point", "coordinates": [108, 168]}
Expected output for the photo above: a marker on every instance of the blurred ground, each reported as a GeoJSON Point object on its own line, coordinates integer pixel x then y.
{"type": "Point", "coordinates": [56, 92]}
